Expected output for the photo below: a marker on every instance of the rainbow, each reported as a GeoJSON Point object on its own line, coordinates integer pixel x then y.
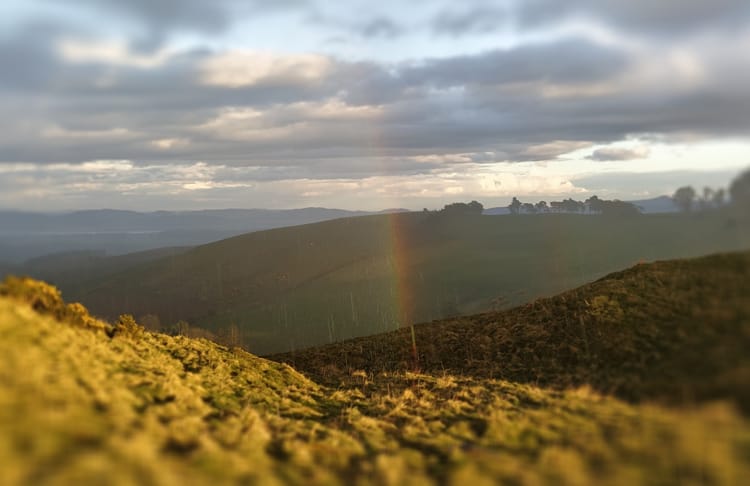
{"type": "Point", "coordinates": [405, 298]}
{"type": "Point", "coordinates": [405, 295]}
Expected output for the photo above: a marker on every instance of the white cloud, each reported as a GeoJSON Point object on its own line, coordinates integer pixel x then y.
{"type": "Point", "coordinates": [335, 110]}
{"type": "Point", "coordinates": [111, 52]}
{"type": "Point", "coordinates": [238, 68]}
{"type": "Point", "coordinates": [170, 143]}
{"type": "Point", "coordinates": [56, 131]}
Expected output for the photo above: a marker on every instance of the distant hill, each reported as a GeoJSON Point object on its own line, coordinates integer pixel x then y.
{"type": "Point", "coordinates": [108, 220]}
{"type": "Point", "coordinates": [662, 204]}
{"type": "Point", "coordinates": [29, 235]}
{"type": "Point", "coordinates": [86, 265]}
{"type": "Point", "coordinates": [673, 331]}
{"type": "Point", "coordinates": [307, 285]}
{"type": "Point", "coordinates": [496, 211]}
{"type": "Point", "coordinates": [83, 400]}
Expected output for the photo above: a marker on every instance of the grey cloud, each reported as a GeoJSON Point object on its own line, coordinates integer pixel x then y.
{"type": "Point", "coordinates": [653, 17]}
{"type": "Point", "coordinates": [564, 61]}
{"type": "Point", "coordinates": [200, 15]}
{"type": "Point", "coordinates": [328, 168]}
{"type": "Point", "coordinates": [488, 102]}
{"type": "Point", "coordinates": [159, 18]}
{"type": "Point", "coordinates": [662, 17]}
{"type": "Point", "coordinates": [479, 19]}
{"type": "Point", "coordinates": [381, 27]}
{"type": "Point", "coordinates": [26, 56]}
{"type": "Point", "coordinates": [610, 154]}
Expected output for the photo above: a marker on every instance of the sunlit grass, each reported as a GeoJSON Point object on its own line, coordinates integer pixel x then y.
{"type": "Point", "coordinates": [82, 403]}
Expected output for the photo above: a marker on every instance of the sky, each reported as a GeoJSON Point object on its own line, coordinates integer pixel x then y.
{"type": "Point", "coordinates": [193, 104]}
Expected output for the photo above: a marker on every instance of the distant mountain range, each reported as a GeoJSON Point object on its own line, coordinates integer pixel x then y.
{"type": "Point", "coordinates": [117, 221]}
{"type": "Point", "coordinates": [25, 235]}
{"type": "Point", "coordinates": [662, 204]}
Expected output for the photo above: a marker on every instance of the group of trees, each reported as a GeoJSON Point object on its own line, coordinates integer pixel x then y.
{"type": "Point", "coordinates": [473, 207]}
{"type": "Point", "coordinates": [687, 198]}
{"type": "Point", "coordinates": [570, 205]}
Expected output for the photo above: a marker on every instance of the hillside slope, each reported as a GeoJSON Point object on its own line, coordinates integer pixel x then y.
{"type": "Point", "coordinates": [86, 402]}
{"type": "Point", "coordinates": [309, 285]}
{"type": "Point", "coordinates": [25, 235]}
{"type": "Point", "coordinates": [673, 330]}
{"type": "Point", "coordinates": [90, 265]}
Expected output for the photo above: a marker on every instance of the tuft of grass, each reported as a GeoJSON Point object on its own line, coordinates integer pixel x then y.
{"type": "Point", "coordinates": [46, 299]}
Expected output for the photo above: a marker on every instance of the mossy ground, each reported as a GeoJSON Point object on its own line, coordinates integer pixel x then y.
{"type": "Point", "coordinates": [86, 402]}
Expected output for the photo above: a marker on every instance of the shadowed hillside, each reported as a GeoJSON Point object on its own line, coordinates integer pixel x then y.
{"type": "Point", "coordinates": [97, 400]}
{"type": "Point", "coordinates": [90, 265]}
{"type": "Point", "coordinates": [677, 331]}
{"type": "Point", "coordinates": [297, 287]}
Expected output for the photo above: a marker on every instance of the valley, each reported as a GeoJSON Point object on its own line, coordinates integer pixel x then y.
{"type": "Point", "coordinates": [301, 286]}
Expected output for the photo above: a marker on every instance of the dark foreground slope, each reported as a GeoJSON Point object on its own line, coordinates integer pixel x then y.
{"type": "Point", "coordinates": [674, 330]}
{"type": "Point", "coordinates": [85, 402]}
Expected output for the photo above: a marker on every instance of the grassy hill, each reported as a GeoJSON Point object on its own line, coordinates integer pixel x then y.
{"type": "Point", "coordinates": [90, 265]}
{"type": "Point", "coordinates": [86, 402]}
{"type": "Point", "coordinates": [671, 331]}
{"type": "Point", "coordinates": [25, 235]}
{"type": "Point", "coordinates": [297, 287]}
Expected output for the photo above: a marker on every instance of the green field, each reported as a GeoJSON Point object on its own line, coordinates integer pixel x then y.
{"type": "Point", "coordinates": [98, 403]}
{"type": "Point", "coordinates": [297, 287]}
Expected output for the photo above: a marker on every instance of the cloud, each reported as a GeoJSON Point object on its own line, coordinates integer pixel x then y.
{"type": "Point", "coordinates": [28, 50]}
{"type": "Point", "coordinates": [629, 185]}
{"type": "Point", "coordinates": [158, 19]}
{"type": "Point", "coordinates": [661, 18]}
{"type": "Point", "coordinates": [609, 154]}
{"type": "Point", "coordinates": [169, 14]}
{"type": "Point", "coordinates": [236, 69]}
{"type": "Point", "coordinates": [381, 27]}
{"type": "Point", "coordinates": [566, 61]}
{"type": "Point", "coordinates": [201, 186]}
{"type": "Point", "coordinates": [257, 116]}
{"type": "Point", "coordinates": [246, 107]}
{"type": "Point", "coordinates": [115, 53]}
{"type": "Point", "coordinates": [479, 19]}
